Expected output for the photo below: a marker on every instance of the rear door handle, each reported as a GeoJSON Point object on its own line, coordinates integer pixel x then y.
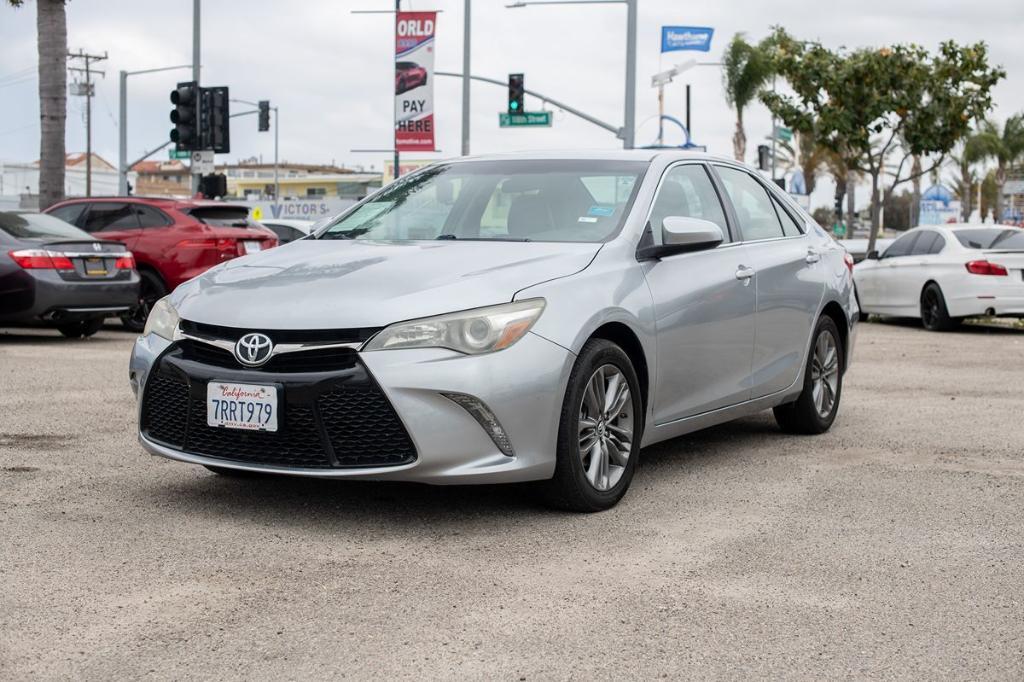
{"type": "Point", "coordinates": [744, 273]}
{"type": "Point", "coordinates": [812, 256]}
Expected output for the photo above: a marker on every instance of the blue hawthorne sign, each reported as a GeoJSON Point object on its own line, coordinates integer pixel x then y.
{"type": "Point", "coordinates": [527, 118]}
{"type": "Point", "coordinates": [697, 38]}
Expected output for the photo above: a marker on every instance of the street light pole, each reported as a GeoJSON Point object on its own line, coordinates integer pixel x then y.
{"type": "Point", "coordinates": [195, 73]}
{"type": "Point", "coordinates": [277, 185]}
{"type": "Point", "coordinates": [629, 110]}
{"type": "Point", "coordinates": [465, 77]}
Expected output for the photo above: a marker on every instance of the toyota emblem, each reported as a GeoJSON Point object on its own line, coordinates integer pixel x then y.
{"type": "Point", "coordinates": [252, 350]}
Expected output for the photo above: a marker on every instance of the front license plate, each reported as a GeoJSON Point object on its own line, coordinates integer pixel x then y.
{"type": "Point", "coordinates": [95, 266]}
{"type": "Point", "coordinates": [251, 246]}
{"type": "Point", "coordinates": [250, 407]}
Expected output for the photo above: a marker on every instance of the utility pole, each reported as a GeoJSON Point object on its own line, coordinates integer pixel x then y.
{"type": "Point", "coordinates": [87, 92]}
{"type": "Point", "coordinates": [629, 122]}
{"type": "Point", "coordinates": [196, 64]}
{"type": "Point", "coordinates": [277, 185]}
{"type": "Point", "coordinates": [465, 77]}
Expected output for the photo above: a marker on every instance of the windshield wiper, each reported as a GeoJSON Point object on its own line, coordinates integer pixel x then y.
{"type": "Point", "coordinates": [482, 239]}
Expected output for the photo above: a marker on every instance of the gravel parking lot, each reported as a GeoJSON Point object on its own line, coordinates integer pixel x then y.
{"type": "Point", "coordinates": [891, 546]}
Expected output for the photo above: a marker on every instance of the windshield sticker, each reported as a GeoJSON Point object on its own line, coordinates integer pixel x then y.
{"type": "Point", "coordinates": [586, 219]}
{"type": "Point", "coordinates": [602, 211]}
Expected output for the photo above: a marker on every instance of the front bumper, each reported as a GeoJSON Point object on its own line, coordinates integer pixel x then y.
{"type": "Point", "coordinates": [523, 386]}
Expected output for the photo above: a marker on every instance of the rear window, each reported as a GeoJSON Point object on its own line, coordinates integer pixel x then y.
{"type": "Point", "coordinates": [38, 226]}
{"type": "Point", "coordinates": [991, 238]}
{"type": "Point", "coordinates": [223, 216]}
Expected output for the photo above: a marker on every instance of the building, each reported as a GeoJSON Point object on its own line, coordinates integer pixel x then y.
{"type": "Point", "coordinates": [19, 181]}
{"type": "Point", "coordinates": [162, 178]}
{"type": "Point", "coordinates": [253, 180]}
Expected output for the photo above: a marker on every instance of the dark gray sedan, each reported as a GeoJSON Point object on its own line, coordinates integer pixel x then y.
{"type": "Point", "coordinates": [53, 274]}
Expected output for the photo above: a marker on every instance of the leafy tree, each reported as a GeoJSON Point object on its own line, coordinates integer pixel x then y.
{"type": "Point", "coordinates": [1005, 147]}
{"type": "Point", "coordinates": [52, 45]}
{"type": "Point", "coordinates": [872, 106]}
{"type": "Point", "coordinates": [746, 69]}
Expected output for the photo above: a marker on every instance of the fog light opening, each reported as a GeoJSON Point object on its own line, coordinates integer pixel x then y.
{"type": "Point", "coordinates": [483, 415]}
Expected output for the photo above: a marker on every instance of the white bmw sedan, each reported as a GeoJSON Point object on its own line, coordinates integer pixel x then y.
{"type": "Point", "coordinates": [943, 274]}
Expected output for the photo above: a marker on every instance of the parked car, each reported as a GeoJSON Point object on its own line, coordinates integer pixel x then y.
{"type": "Point", "coordinates": [173, 239]}
{"type": "Point", "coordinates": [508, 318]}
{"type": "Point", "coordinates": [942, 274]}
{"type": "Point", "coordinates": [288, 229]}
{"type": "Point", "coordinates": [858, 248]}
{"type": "Point", "coordinates": [55, 275]}
{"type": "Point", "coordinates": [409, 75]}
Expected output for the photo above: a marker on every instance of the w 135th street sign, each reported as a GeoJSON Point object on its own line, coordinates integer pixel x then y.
{"type": "Point", "coordinates": [527, 118]}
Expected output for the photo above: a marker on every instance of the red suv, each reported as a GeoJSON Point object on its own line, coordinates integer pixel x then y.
{"type": "Point", "coordinates": [173, 239]}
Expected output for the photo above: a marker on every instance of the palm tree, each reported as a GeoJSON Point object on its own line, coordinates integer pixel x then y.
{"type": "Point", "coordinates": [746, 69]}
{"type": "Point", "coordinates": [966, 184]}
{"type": "Point", "coordinates": [52, 44]}
{"type": "Point", "coordinates": [1005, 147]}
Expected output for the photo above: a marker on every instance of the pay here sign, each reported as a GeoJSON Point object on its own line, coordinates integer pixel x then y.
{"type": "Point", "coordinates": [414, 81]}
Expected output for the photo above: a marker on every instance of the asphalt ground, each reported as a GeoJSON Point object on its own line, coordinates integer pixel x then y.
{"type": "Point", "coordinates": [892, 546]}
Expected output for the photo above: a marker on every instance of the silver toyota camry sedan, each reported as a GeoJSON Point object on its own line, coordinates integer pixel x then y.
{"type": "Point", "coordinates": [506, 319]}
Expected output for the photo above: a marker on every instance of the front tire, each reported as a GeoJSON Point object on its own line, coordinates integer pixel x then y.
{"type": "Point", "coordinates": [934, 314]}
{"type": "Point", "coordinates": [599, 431]}
{"type": "Point", "coordinates": [816, 408]}
{"type": "Point", "coordinates": [151, 290]}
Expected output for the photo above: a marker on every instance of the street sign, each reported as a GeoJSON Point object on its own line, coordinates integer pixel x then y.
{"type": "Point", "coordinates": [527, 118]}
{"type": "Point", "coordinates": [202, 162]}
{"type": "Point", "coordinates": [173, 154]}
{"type": "Point", "coordinates": [784, 134]}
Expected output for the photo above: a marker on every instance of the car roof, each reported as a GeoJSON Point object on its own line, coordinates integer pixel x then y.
{"type": "Point", "coordinates": [165, 202]}
{"type": "Point", "coordinates": [647, 155]}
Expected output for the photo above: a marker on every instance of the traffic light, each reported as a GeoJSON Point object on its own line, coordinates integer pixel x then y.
{"type": "Point", "coordinates": [264, 125]}
{"type": "Point", "coordinates": [516, 90]}
{"type": "Point", "coordinates": [763, 156]}
{"type": "Point", "coordinates": [185, 116]}
{"type": "Point", "coordinates": [216, 129]}
{"type": "Point", "coordinates": [839, 208]}
{"type": "Point", "coordinates": [213, 185]}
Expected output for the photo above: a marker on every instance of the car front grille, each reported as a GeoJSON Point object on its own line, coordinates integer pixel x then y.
{"type": "Point", "coordinates": [327, 419]}
{"type": "Point", "coordinates": [313, 360]}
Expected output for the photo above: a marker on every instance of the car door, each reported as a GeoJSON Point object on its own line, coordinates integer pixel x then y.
{"type": "Point", "coordinates": [894, 278]}
{"type": "Point", "coordinates": [703, 304]}
{"type": "Point", "coordinates": [114, 220]}
{"type": "Point", "coordinates": [789, 279]}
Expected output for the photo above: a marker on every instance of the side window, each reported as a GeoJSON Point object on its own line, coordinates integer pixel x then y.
{"type": "Point", "coordinates": [923, 245]}
{"type": "Point", "coordinates": [70, 213]}
{"type": "Point", "coordinates": [938, 245]}
{"type": "Point", "coordinates": [757, 216]}
{"type": "Point", "coordinates": [902, 246]}
{"type": "Point", "coordinates": [284, 233]}
{"type": "Point", "coordinates": [151, 217]}
{"type": "Point", "coordinates": [687, 192]}
{"type": "Point", "coordinates": [108, 217]}
{"type": "Point", "coordinates": [790, 227]}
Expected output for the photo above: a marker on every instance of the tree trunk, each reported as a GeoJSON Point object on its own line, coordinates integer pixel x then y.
{"type": "Point", "coordinates": [966, 191]}
{"type": "Point", "coordinates": [52, 40]}
{"type": "Point", "coordinates": [1000, 181]}
{"type": "Point", "coordinates": [851, 205]}
{"type": "Point", "coordinates": [876, 209]}
{"type": "Point", "coordinates": [739, 138]}
{"type": "Point", "coordinates": [915, 207]}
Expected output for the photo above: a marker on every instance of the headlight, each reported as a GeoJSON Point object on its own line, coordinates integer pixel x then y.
{"type": "Point", "coordinates": [162, 320]}
{"type": "Point", "coordinates": [483, 330]}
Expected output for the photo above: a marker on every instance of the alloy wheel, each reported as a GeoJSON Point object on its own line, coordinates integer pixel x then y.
{"type": "Point", "coordinates": [605, 427]}
{"type": "Point", "coordinates": [930, 308]}
{"type": "Point", "coordinates": [825, 373]}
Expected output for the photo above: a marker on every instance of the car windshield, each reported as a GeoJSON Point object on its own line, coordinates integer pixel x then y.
{"type": "Point", "coordinates": [38, 226]}
{"type": "Point", "coordinates": [551, 201]}
{"type": "Point", "coordinates": [991, 238]}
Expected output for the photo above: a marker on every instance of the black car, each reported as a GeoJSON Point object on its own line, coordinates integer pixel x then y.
{"type": "Point", "coordinates": [53, 274]}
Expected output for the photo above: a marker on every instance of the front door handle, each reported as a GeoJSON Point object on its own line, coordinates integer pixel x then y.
{"type": "Point", "coordinates": [812, 256]}
{"type": "Point", "coordinates": [744, 273]}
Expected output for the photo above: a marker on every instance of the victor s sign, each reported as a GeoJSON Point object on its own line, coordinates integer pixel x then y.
{"type": "Point", "coordinates": [414, 81]}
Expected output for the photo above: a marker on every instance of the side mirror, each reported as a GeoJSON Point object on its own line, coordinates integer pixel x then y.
{"type": "Point", "coordinates": [873, 255]}
{"type": "Point", "coordinates": [681, 235]}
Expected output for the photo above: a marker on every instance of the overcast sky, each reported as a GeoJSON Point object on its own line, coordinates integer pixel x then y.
{"type": "Point", "coordinates": [330, 71]}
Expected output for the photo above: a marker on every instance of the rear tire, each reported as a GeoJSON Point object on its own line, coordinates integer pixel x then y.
{"type": "Point", "coordinates": [151, 290]}
{"type": "Point", "coordinates": [816, 408]}
{"type": "Point", "coordinates": [934, 314]}
{"type": "Point", "coordinates": [81, 328]}
{"type": "Point", "coordinates": [599, 431]}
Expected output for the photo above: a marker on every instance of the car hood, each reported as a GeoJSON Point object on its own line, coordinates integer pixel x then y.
{"type": "Point", "coordinates": [321, 284]}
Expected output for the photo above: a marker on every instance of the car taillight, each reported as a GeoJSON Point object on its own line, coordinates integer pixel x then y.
{"type": "Point", "coordinates": [983, 267]}
{"type": "Point", "coordinates": [228, 248]}
{"type": "Point", "coordinates": [125, 261]}
{"type": "Point", "coordinates": [848, 259]}
{"type": "Point", "coordinates": [39, 259]}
